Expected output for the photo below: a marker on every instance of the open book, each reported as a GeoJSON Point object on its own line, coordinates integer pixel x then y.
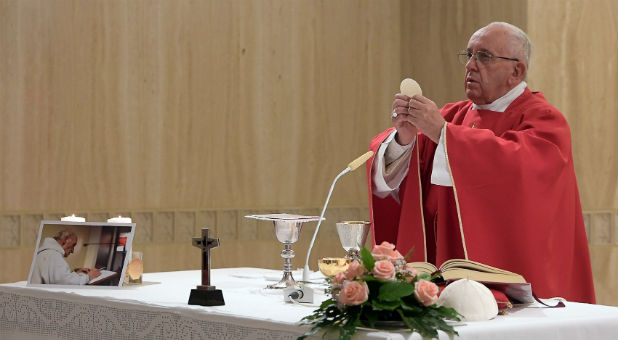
{"type": "Point", "coordinates": [466, 269]}
{"type": "Point", "coordinates": [105, 275]}
{"type": "Point", "coordinates": [511, 284]}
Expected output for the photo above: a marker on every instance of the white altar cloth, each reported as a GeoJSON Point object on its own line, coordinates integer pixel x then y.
{"type": "Point", "coordinates": [158, 309]}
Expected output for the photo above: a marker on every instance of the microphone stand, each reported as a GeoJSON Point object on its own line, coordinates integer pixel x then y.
{"type": "Point", "coordinates": [306, 270]}
{"type": "Point", "coordinates": [351, 167]}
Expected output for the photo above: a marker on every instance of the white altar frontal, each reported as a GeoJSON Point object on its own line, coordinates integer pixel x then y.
{"type": "Point", "coordinates": [158, 309]}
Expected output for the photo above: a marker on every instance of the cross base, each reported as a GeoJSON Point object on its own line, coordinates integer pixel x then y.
{"type": "Point", "coordinates": [206, 297]}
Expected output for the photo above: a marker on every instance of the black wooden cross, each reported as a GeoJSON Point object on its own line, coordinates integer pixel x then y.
{"type": "Point", "coordinates": [206, 244]}
{"type": "Point", "coordinates": [205, 294]}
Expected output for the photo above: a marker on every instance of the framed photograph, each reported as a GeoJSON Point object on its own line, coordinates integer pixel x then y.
{"type": "Point", "coordinates": [81, 253]}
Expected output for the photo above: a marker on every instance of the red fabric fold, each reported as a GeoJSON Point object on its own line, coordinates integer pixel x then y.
{"type": "Point", "coordinates": [517, 195]}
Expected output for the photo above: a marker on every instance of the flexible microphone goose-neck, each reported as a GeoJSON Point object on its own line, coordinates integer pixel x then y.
{"type": "Point", "coordinates": [353, 165]}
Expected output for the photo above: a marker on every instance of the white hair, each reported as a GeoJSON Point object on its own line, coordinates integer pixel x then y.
{"type": "Point", "coordinates": [521, 41]}
{"type": "Point", "coordinates": [64, 234]}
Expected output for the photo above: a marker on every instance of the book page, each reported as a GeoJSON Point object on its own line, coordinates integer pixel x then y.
{"type": "Point", "coordinates": [104, 274]}
{"type": "Point", "coordinates": [465, 273]}
{"type": "Point", "coordinates": [461, 263]}
{"type": "Point", "coordinates": [424, 267]}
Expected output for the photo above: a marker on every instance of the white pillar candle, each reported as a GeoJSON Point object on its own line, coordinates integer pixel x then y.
{"type": "Point", "coordinates": [73, 218]}
{"type": "Point", "coordinates": [119, 219]}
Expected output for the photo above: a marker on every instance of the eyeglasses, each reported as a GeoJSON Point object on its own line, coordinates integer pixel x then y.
{"type": "Point", "coordinates": [480, 56]}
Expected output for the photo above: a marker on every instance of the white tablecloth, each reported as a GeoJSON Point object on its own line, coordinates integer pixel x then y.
{"type": "Point", "coordinates": [158, 309]}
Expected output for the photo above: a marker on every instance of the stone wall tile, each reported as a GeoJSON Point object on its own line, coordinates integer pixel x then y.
{"type": "Point", "coordinates": [30, 225]}
{"type": "Point", "coordinates": [53, 216]}
{"type": "Point", "coordinates": [227, 222]}
{"type": "Point", "coordinates": [614, 231]}
{"type": "Point", "coordinates": [264, 229]}
{"type": "Point", "coordinates": [205, 219]}
{"type": "Point", "coordinates": [144, 226]}
{"type": "Point", "coordinates": [248, 227]}
{"type": "Point", "coordinates": [118, 213]}
{"type": "Point", "coordinates": [364, 214]}
{"type": "Point", "coordinates": [334, 215]}
{"type": "Point", "coordinates": [10, 231]}
{"type": "Point", "coordinates": [600, 228]}
{"type": "Point", "coordinates": [98, 216]}
{"type": "Point", "coordinates": [163, 231]}
{"type": "Point", "coordinates": [184, 226]}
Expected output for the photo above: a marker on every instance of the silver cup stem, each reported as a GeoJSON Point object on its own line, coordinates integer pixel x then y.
{"type": "Point", "coordinates": [287, 280]}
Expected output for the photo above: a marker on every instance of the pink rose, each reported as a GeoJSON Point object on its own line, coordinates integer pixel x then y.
{"type": "Point", "coordinates": [353, 293]}
{"type": "Point", "coordinates": [426, 292]}
{"type": "Point", "coordinates": [382, 251]}
{"type": "Point", "coordinates": [409, 272]}
{"type": "Point", "coordinates": [354, 270]}
{"type": "Point", "coordinates": [386, 245]}
{"type": "Point", "coordinates": [386, 251]}
{"type": "Point", "coordinates": [397, 259]}
{"type": "Point", "coordinates": [339, 278]}
{"type": "Point", "coordinates": [384, 269]}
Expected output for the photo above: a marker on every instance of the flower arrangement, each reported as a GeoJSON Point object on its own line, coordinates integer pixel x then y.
{"type": "Point", "coordinates": [382, 289]}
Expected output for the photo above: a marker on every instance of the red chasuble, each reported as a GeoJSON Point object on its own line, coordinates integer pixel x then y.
{"type": "Point", "coordinates": [514, 203]}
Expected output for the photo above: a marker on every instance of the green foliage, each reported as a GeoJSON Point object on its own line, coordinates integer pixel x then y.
{"type": "Point", "coordinates": [368, 260]}
{"type": "Point", "coordinates": [385, 305]}
{"type": "Point", "coordinates": [395, 290]}
{"type": "Point", "coordinates": [425, 276]}
{"type": "Point", "coordinates": [387, 301]}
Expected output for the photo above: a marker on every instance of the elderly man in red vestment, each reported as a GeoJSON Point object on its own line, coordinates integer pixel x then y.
{"type": "Point", "coordinates": [489, 179]}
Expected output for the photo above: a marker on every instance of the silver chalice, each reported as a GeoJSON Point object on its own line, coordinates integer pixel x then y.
{"type": "Point", "coordinates": [352, 235]}
{"type": "Point", "coordinates": [287, 231]}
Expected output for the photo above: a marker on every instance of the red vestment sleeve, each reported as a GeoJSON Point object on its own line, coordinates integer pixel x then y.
{"type": "Point", "coordinates": [387, 215]}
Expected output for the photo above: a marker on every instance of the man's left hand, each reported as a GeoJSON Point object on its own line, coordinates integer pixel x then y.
{"type": "Point", "coordinates": [425, 115]}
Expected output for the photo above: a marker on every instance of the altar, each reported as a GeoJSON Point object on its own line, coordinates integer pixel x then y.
{"type": "Point", "coordinates": [158, 309]}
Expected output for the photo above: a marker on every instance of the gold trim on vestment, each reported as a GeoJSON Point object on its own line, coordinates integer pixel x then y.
{"type": "Point", "coordinates": [420, 192]}
{"type": "Point", "coordinates": [463, 239]}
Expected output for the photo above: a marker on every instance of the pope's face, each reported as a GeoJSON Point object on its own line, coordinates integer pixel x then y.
{"type": "Point", "coordinates": [486, 82]}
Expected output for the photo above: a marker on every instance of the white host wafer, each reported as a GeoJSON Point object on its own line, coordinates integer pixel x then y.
{"type": "Point", "coordinates": [410, 87]}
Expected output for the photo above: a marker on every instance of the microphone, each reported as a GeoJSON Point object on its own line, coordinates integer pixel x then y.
{"type": "Point", "coordinates": [360, 160]}
{"type": "Point", "coordinates": [353, 165]}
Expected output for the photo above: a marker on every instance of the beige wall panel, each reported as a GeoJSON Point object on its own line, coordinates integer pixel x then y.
{"type": "Point", "coordinates": [605, 270]}
{"type": "Point", "coordinates": [15, 263]}
{"type": "Point", "coordinates": [153, 106]}
{"type": "Point", "coordinates": [575, 65]}
{"type": "Point", "coordinates": [213, 104]}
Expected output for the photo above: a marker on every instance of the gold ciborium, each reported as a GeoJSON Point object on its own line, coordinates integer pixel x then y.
{"type": "Point", "coordinates": [331, 266]}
